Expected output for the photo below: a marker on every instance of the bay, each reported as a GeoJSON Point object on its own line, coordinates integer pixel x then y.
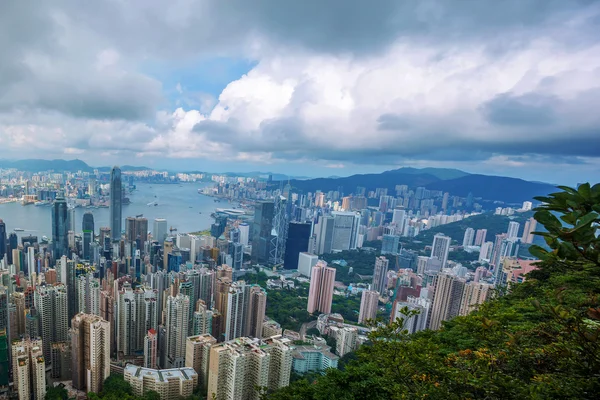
{"type": "Point", "coordinates": [180, 204]}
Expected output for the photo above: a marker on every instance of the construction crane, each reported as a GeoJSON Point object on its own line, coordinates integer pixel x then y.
{"type": "Point", "coordinates": [171, 230]}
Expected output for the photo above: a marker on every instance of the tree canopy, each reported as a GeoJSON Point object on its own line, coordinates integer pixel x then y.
{"type": "Point", "coordinates": [540, 341]}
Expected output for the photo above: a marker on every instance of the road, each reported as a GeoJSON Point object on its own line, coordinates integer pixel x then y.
{"type": "Point", "coordinates": [306, 326]}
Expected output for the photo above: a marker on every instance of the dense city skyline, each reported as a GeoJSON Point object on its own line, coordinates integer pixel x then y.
{"type": "Point", "coordinates": [502, 88]}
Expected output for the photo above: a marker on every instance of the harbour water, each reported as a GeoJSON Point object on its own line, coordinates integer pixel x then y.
{"type": "Point", "coordinates": [181, 205]}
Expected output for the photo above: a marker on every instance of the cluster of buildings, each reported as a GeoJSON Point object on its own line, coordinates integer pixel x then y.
{"type": "Point", "coordinates": [173, 312]}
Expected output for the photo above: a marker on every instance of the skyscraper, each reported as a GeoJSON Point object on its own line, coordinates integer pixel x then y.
{"type": "Point", "coordinates": [447, 297]}
{"type": "Point", "coordinates": [178, 309]}
{"type": "Point", "coordinates": [368, 305]}
{"type": "Point", "coordinates": [197, 353]}
{"type": "Point", "coordinates": [297, 242]}
{"type": "Point", "coordinates": [475, 293]}
{"type": "Point", "coordinates": [262, 227]}
{"type": "Point", "coordinates": [440, 248]}
{"type": "Point", "coordinates": [324, 231]}
{"type": "Point", "coordinates": [29, 369]}
{"type": "Point", "coordinates": [116, 203]}
{"type": "Point", "coordinates": [150, 347]}
{"type": "Point", "coordinates": [380, 275]}
{"type": "Point", "coordinates": [468, 237]}
{"type": "Point", "coordinates": [480, 237]}
{"type": "Point", "coordinates": [87, 227]}
{"type": "Point", "coordinates": [320, 292]}
{"type": "Point", "coordinates": [255, 314]}
{"type": "Point", "coordinates": [345, 230]}
{"type": "Point", "coordinates": [528, 229]}
{"type": "Point", "coordinates": [90, 347]}
{"type": "Point", "coordinates": [159, 232]}
{"type": "Point", "coordinates": [513, 229]}
{"type": "Point", "coordinates": [51, 304]}
{"type": "Point", "coordinates": [59, 229]}
{"type": "Point", "coordinates": [390, 244]}
{"type": "Point", "coordinates": [3, 241]}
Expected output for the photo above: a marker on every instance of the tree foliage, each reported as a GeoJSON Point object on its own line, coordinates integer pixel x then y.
{"type": "Point", "coordinates": [540, 341]}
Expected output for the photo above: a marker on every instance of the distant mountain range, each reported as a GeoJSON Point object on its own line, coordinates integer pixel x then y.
{"type": "Point", "coordinates": [37, 165]}
{"type": "Point", "coordinates": [456, 182]}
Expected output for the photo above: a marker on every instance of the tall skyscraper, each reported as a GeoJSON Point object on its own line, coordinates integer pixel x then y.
{"type": "Point", "coordinates": [441, 248]}
{"type": "Point", "coordinates": [150, 349]}
{"type": "Point", "coordinates": [297, 242]}
{"type": "Point", "coordinates": [116, 203]}
{"type": "Point", "coordinates": [177, 319]}
{"type": "Point", "coordinates": [447, 297]}
{"type": "Point", "coordinates": [262, 227]}
{"type": "Point", "coordinates": [87, 227]}
{"type": "Point", "coordinates": [51, 304]}
{"type": "Point", "coordinates": [136, 230]}
{"type": "Point", "coordinates": [528, 229]}
{"type": "Point", "coordinates": [3, 241]}
{"type": "Point", "coordinates": [468, 237]}
{"type": "Point", "coordinates": [390, 244]}
{"type": "Point", "coordinates": [380, 275]}
{"type": "Point", "coordinates": [255, 314]}
{"type": "Point", "coordinates": [59, 228]}
{"type": "Point", "coordinates": [475, 293]}
{"type": "Point", "coordinates": [29, 369]}
{"type": "Point", "coordinates": [159, 233]}
{"type": "Point", "coordinates": [324, 231]}
{"type": "Point", "coordinates": [244, 233]}
{"type": "Point", "coordinates": [321, 288]}
{"type": "Point", "coordinates": [90, 349]}
{"type": "Point", "coordinates": [480, 237]}
{"type": "Point", "coordinates": [513, 229]}
{"type": "Point", "coordinates": [345, 230]}
{"type": "Point", "coordinates": [368, 305]}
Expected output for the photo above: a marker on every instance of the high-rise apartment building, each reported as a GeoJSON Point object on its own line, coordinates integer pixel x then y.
{"type": "Point", "coordinates": [296, 243]}
{"type": "Point", "coordinates": [527, 206]}
{"type": "Point", "coordinates": [368, 305]}
{"type": "Point", "coordinates": [440, 248]}
{"type": "Point", "coordinates": [136, 230]}
{"type": "Point", "coordinates": [345, 338]}
{"type": "Point", "coordinates": [116, 203]}
{"type": "Point", "coordinates": [52, 306]}
{"type": "Point", "coordinates": [390, 244]}
{"type": "Point", "coordinates": [255, 314]}
{"type": "Point", "coordinates": [197, 353]}
{"type": "Point", "coordinates": [469, 237]}
{"type": "Point", "coordinates": [87, 292]}
{"type": "Point", "coordinates": [137, 312]}
{"type": "Point", "coordinates": [202, 319]}
{"type": "Point", "coordinates": [59, 229]}
{"type": "Point", "coordinates": [174, 383]}
{"type": "Point", "coordinates": [238, 367]}
{"type": "Point", "coordinates": [480, 237]}
{"type": "Point", "coordinates": [528, 229]}
{"type": "Point", "coordinates": [262, 227]}
{"type": "Point", "coordinates": [150, 349]}
{"type": "Point", "coordinates": [380, 270]}
{"type": "Point", "coordinates": [474, 294]}
{"type": "Point", "coordinates": [324, 231]}
{"type": "Point", "coordinates": [87, 227]}
{"type": "Point", "coordinates": [485, 253]}
{"type": "Point", "coordinates": [320, 293]}
{"type": "Point", "coordinates": [244, 233]}
{"type": "Point", "coordinates": [90, 347]}
{"type": "Point", "coordinates": [447, 297]}
{"type": "Point", "coordinates": [177, 320]}
{"type": "Point", "coordinates": [513, 230]}
{"type": "Point", "coordinates": [29, 369]}
{"type": "Point", "coordinates": [3, 241]}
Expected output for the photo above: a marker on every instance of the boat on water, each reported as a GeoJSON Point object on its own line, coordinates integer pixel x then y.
{"type": "Point", "coordinates": [19, 230]}
{"type": "Point", "coordinates": [44, 238]}
{"type": "Point", "coordinates": [40, 203]}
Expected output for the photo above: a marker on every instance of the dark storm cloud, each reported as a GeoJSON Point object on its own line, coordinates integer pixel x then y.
{"type": "Point", "coordinates": [530, 109]}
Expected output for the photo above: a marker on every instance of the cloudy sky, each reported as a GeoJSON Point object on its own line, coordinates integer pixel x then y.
{"type": "Point", "coordinates": [310, 87]}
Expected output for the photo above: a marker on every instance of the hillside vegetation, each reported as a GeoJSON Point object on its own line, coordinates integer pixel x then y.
{"type": "Point", "coordinates": [541, 341]}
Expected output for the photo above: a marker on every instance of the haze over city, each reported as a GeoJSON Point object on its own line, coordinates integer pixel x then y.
{"type": "Point", "coordinates": [504, 88]}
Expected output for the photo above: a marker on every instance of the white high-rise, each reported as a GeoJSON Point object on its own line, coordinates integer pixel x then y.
{"type": "Point", "coordinates": [368, 305]}
{"type": "Point", "coordinates": [305, 263]}
{"type": "Point", "coordinates": [469, 237]}
{"type": "Point", "coordinates": [380, 270]}
{"type": "Point", "coordinates": [160, 230]}
{"type": "Point", "coordinates": [440, 248]}
{"type": "Point", "coordinates": [513, 230]}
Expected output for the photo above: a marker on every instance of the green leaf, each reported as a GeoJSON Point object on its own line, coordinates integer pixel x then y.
{"type": "Point", "coordinates": [585, 190]}
{"type": "Point", "coordinates": [584, 221]}
{"type": "Point", "coordinates": [538, 252]}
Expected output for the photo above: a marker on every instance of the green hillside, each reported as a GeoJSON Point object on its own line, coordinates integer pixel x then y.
{"type": "Point", "coordinates": [541, 341]}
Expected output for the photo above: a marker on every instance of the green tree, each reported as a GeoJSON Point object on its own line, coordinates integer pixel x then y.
{"type": "Point", "coordinates": [57, 393]}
